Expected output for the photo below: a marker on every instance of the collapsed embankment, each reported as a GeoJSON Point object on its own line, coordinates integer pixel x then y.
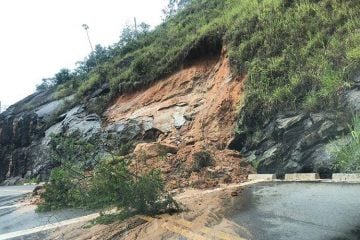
{"type": "Point", "coordinates": [187, 120]}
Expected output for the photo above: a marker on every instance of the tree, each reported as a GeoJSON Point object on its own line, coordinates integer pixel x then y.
{"type": "Point", "coordinates": [144, 28]}
{"type": "Point", "coordinates": [45, 84]}
{"type": "Point", "coordinates": [108, 181]}
{"type": "Point", "coordinates": [173, 6]}
{"type": "Point", "coordinates": [128, 35]}
{"type": "Point", "coordinates": [63, 76]}
{"type": "Point", "coordinates": [131, 33]}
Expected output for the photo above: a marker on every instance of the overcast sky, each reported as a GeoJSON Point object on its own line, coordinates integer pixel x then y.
{"type": "Point", "coordinates": [39, 37]}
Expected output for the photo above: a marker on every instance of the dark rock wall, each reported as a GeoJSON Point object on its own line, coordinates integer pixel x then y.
{"type": "Point", "coordinates": [16, 135]}
{"type": "Point", "coordinates": [293, 142]}
{"type": "Point", "coordinates": [298, 141]}
{"type": "Point", "coordinates": [26, 129]}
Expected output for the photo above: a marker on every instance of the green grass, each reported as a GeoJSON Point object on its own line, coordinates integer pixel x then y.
{"type": "Point", "coordinates": [297, 54]}
{"type": "Point", "coordinates": [348, 154]}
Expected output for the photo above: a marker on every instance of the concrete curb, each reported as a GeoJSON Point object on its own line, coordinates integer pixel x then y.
{"type": "Point", "coordinates": [263, 177]}
{"type": "Point", "coordinates": [346, 177]}
{"type": "Point", "coordinates": [302, 177]}
{"type": "Point", "coordinates": [307, 177]}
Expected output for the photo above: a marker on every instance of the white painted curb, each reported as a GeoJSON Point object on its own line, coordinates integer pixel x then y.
{"type": "Point", "coordinates": [264, 177]}
{"type": "Point", "coordinates": [346, 177]}
{"type": "Point", "coordinates": [302, 177]}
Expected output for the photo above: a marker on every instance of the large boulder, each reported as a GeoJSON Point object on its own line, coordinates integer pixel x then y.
{"type": "Point", "coordinates": [151, 150]}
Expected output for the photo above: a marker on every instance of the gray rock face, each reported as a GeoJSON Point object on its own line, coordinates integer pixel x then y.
{"type": "Point", "coordinates": [293, 142]}
{"type": "Point", "coordinates": [297, 141]}
{"type": "Point", "coordinates": [352, 100]}
{"type": "Point", "coordinates": [17, 133]}
{"type": "Point", "coordinates": [47, 110]}
{"type": "Point", "coordinates": [75, 120]}
{"type": "Point", "coordinates": [126, 129]}
{"type": "Point", "coordinates": [24, 134]}
{"type": "Point", "coordinates": [12, 181]}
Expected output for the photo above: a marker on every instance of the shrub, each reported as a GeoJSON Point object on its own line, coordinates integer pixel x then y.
{"type": "Point", "coordinates": [62, 191]}
{"type": "Point", "coordinates": [109, 184]}
{"type": "Point", "coordinates": [202, 159]}
{"type": "Point", "coordinates": [348, 155]}
{"type": "Point", "coordinates": [133, 194]}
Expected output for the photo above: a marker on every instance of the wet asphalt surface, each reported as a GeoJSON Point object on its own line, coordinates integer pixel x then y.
{"type": "Point", "coordinates": [299, 211]}
{"type": "Point", "coordinates": [10, 195]}
{"type": "Point", "coordinates": [15, 218]}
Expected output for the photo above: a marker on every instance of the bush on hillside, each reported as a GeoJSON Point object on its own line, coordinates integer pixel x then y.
{"type": "Point", "coordinates": [202, 159]}
{"type": "Point", "coordinates": [296, 54]}
{"type": "Point", "coordinates": [348, 155]}
{"type": "Point", "coordinates": [107, 183]}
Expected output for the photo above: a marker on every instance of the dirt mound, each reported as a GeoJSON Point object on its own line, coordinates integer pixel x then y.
{"type": "Point", "coordinates": [194, 109]}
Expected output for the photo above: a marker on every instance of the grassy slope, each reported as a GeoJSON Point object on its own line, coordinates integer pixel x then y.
{"type": "Point", "coordinates": [297, 54]}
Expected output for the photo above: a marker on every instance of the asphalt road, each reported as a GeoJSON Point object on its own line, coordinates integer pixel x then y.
{"type": "Point", "coordinates": [10, 195]}
{"type": "Point", "coordinates": [15, 216]}
{"type": "Point", "coordinates": [275, 210]}
{"type": "Point", "coordinates": [328, 211]}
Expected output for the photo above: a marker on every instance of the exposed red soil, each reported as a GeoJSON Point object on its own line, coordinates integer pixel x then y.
{"type": "Point", "coordinates": [209, 97]}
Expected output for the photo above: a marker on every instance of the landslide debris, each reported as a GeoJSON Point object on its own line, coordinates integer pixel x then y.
{"type": "Point", "coordinates": [189, 113]}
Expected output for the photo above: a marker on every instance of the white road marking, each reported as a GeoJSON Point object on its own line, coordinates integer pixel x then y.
{"type": "Point", "coordinates": [16, 191]}
{"type": "Point", "coordinates": [48, 226]}
{"type": "Point", "coordinates": [95, 215]}
{"type": "Point", "coordinates": [14, 206]}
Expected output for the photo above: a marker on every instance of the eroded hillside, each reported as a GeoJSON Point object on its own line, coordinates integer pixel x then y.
{"type": "Point", "coordinates": [191, 111]}
{"type": "Point", "coordinates": [169, 86]}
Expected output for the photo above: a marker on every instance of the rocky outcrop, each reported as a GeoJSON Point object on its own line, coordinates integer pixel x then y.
{"type": "Point", "coordinates": [19, 133]}
{"type": "Point", "coordinates": [293, 142]}
{"type": "Point", "coordinates": [297, 141]}
{"type": "Point", "coordinates": [25, 130]}
{"type": "Point", "coordinates": [194, 110]}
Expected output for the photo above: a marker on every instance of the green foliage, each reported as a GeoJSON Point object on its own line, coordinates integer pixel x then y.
{"type": "Point", "coordinates": [125, 148]}
{"type": "Point", "coordinates": [31, 181]}
{"type": "Point", "coordinates": [62, 191]}
{"type": "Point", "coordinates": [140, 194]}
{"type": "Point", "coordinates": [296, 54]}
{"type": "Point", "coordinates": [109, 183]}
{"type": "Point", "coordinates": [62, 77]}
{"type": "Point", "coordinates": [173, 7]}
{"type": "Point", "coordinates": [348, 155]}
{"type": "Point", "coordinates": [46, 83]}
{"type": "Point", "coordinates": [142, 56]}
{"type": "Point", "coordinates": [73, 150]}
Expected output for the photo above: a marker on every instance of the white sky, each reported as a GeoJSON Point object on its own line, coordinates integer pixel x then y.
{"type": "Point", "coordinates": [39, 37]}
